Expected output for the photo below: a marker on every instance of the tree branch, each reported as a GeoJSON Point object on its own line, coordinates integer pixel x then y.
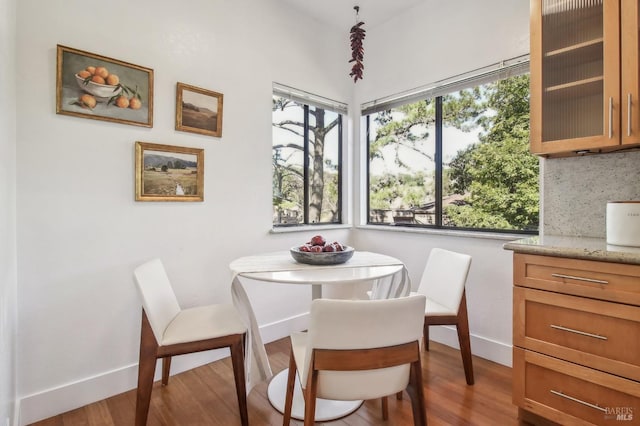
{"type": "Point", "coordinates": [282, 125]}
{"type": "Point", "coordinates": [289, 145]}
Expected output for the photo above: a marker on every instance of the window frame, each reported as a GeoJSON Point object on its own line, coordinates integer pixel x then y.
{"type": "Point", "coordinates": [308, 100]}
{"type": "Point", "coordinates": [436, 91]}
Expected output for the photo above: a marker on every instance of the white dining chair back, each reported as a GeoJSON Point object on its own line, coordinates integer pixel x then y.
{"type": "Point", "coordinates": [444, 278]}
{"type": "Point", "coordinates": [358, 350]}
{"type": "Point", "coordinates": [353, 324]}
{"type": "Point", "coordinates": [158, 299]}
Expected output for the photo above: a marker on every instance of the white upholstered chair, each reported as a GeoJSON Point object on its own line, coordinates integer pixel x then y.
{"type": "Point", "coordinates": [168, 330]}
{"type": "Point", "coordinates": [359, 350]}
{"type": "Point", "coordinates": [443, 283]}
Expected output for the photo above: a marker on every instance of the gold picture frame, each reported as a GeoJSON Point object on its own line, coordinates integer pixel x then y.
{"type": "Point", "coordinates": [198, 110]}
{"type": "Point", "coordinates": [169, 173]}
{"type": "Point", "coordinates": [101, 88]}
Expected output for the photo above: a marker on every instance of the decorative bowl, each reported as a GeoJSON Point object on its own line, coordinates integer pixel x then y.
{"type": "Point", "coordinates": [101, 91]}
{"type": "Point", "coordinates": [322, 258]}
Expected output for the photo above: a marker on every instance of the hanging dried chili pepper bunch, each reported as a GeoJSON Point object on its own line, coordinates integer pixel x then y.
{"type": "Point", "coordinates": [357, 51]}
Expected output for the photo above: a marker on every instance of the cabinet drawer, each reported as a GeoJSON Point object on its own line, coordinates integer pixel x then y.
{"type": "Point", "coordinates": [601, 335]}
{"type": "Point", "coordinates": [570, 394]}
{"type": "Point", "coordinates": [616, 282]}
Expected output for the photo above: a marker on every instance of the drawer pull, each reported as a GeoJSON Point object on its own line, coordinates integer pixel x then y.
{"type": "Point", "coordinates": [572, 277]}
{"type": "Point", "coordinates": [582, 333]}
{"type": "Point", "coordinates": [579, 401]}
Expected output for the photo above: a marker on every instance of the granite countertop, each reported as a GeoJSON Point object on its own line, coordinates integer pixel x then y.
{"type": "Point", "coordinates": [576, 247]}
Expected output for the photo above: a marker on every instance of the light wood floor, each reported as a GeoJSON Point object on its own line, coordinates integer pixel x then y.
{"type": "Point", "coordinates": [206, 396]}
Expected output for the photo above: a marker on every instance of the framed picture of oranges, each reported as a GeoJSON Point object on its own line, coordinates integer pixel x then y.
{"type": "Point", "coordinates": [169, 173]}
{"type": "Point", "coordinates": [100, 88]}
{"type": "Point", "coordinates": [198, 110]}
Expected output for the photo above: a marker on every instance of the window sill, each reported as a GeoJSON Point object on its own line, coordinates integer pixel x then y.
{"type": "Point", "coordinates": [448, 232]}
{"type": "Point", "coordinates": [307, 228]}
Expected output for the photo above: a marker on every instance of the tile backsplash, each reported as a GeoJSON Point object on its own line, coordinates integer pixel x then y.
{"type": "Point", "coordinates": [575, 191]}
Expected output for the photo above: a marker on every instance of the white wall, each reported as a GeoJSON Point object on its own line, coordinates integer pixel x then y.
{"type": "Point", "coordinates": [8, 281]}
{"type": "Point", "coordinates": [432, 42]}
{"type": "Point", "coordinates": [80, 232]}
{"type": "Point", "coordinates": [440, 39]}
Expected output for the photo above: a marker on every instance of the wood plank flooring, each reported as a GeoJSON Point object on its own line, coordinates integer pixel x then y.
{"type": "Point", "coordinates": [206, 396]}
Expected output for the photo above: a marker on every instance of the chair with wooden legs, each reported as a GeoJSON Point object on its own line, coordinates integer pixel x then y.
{"type": "Point", "coordinates": [359, 350]}
{"type": "Point", "coordinates": [443, 283]}
{"type": "Point", "coordinates": [168, 330]}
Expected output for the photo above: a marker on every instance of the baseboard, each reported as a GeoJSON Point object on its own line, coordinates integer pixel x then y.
{"type": "Point", "coordinates": [480, 346]}
{"type": "Point", "coordinates": [63, 398]}
{"type": "Point", "coordinates": [50, 402]}
{"type": "Point", "coordinates": [278, 330]}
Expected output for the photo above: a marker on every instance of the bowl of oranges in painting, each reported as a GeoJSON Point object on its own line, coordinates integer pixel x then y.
{"type": "Point", "coordinates": [97, 81]}
{"type": "Point", "coordinates": [100, 85]}
{"type": "Point", "coordinates": [318, 251]}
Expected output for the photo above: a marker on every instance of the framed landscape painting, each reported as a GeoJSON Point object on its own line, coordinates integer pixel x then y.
{"type": "Point", "coordinates": [100, 88]}
{"type": "Point", "coordinates": [198, 110]}
{"type": "Point", "coordinates": [169, 173]}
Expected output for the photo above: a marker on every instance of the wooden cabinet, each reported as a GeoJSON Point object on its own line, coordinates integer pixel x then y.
{"type": "Point", "coordinates": [584, 76]}
{"type": "Point", "coordinates": [576, 345]}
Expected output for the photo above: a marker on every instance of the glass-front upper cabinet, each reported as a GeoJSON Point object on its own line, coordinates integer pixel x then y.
{"type": "Point", "coordinates": [630, 17]}
{"type": "Point", "coordinates": [575, 75]}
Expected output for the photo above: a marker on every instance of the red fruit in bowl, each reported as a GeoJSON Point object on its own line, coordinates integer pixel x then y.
{"type": "Point", "coordinates": [315, 249]}
{"type": "Point", "coordinates": [318, 240]}
{"type": "Point", "coordinates": [337, 246]}
{"type": "Point", "coordinates": [304, 248]}
{"type": "Point", "coordinates": [329, 248]}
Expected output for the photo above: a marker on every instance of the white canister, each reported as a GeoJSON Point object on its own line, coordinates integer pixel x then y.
{"type": "Point", "coordinates": [623, 223]}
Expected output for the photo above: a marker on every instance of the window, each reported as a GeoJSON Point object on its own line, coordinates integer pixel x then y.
{"type": "Point", "coordinates": [306, 158]}
{"type": "Point", "coordinates": [455, 155]}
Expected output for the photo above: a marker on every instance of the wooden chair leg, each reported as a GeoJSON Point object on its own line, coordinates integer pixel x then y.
{"type": "Point", "coordinates": [465, 341]}
{"type": "Point", "coordinates": [416, 393]}
{"type": "Point", "coordinates": [310, 398]}
{"type": "Point", "coordinates": [237, 360]}
{"type": "Point", "coordinates": [385, 408]}
{"type": "Point", "coordinates": [166, 366]}
{"type": "Point", "coordinates": [385, 405]}
{"type": "Point", "coordinates": [425, 333]}
{"type": "Point", "coordinates": [288, 401]}
{"type": "Point", "coordinates": [146, 370]}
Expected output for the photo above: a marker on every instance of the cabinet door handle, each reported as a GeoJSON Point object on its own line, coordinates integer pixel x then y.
{"type": "Point", "coordinates": [573, 277]}
{"type": "Point", "coordinates": [629, 114]}
{"type": "Point", "coordinates": [579, 401]}
{"type": "Point", "coordinates": [582, 333]}
{"type": "Point", "coordinates": [610, 117]}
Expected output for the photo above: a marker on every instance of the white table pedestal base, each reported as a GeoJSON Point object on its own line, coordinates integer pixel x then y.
{"type": "Point", "coordinates": [326, 410]}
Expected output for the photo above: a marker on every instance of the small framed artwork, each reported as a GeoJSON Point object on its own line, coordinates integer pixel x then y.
{"type": "Point", "coordinates": [169, 173]}
{"type": "Point", "coordinates": [198, 110]}
{"type": "Point", "coordinates": [100, 88]}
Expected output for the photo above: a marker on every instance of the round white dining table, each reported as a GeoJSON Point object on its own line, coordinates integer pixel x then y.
{"type": "Point", "coordinates": [387, 275]}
